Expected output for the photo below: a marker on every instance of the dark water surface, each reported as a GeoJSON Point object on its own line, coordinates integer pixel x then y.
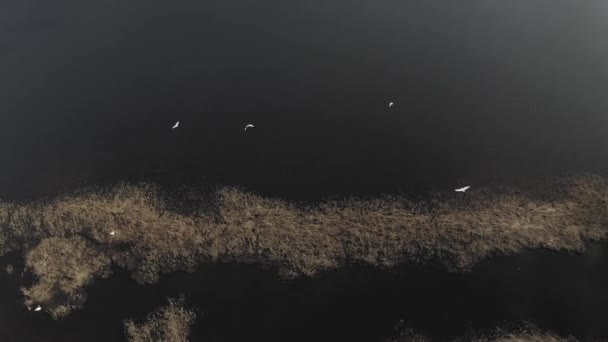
{"type": "Point", "coordinates": [485, 91]}
{"type": "Point", "coordinates": [559, 292]}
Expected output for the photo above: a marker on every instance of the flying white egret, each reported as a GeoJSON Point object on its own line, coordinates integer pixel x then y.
{"type": "Point", "coordinates": [391, 104]}
{"type": "Point", "coordinates": [113, 233]}
{"type": "Point", "coordinates": [249, 126]}
{"type": "Point", "coordinates": [462, 189]}
{"type": "Point", "coordinates": [38, 308]}
{"type": "Point", "coordinates": [176, 125]}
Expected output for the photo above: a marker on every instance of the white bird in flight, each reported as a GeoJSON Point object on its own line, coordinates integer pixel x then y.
{"type": "Point", "coordinates": [176, 125]}
{"type": "Point", "coordinates": [390, 104]}
{"type": "Point", "coordinates": [112, 233]}
{"type": "Point", "coordinates": [38, 308]}
{"type": "Point", "coordinates": [462, 189]}
{"type": "Point", "coordinates": [249, 126]}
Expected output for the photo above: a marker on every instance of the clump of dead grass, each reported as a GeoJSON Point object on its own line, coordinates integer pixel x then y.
{"type": "Point", "coordinates": [521, 332]}
{"type": "Point", "coordinates": [63, 267]}
{"type": "Point", "coordinates": [170, 323]}
{"type": "Point", "coordinates": [525, 333]}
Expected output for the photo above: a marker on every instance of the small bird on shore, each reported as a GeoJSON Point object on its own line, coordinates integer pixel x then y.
{"type": "Point", "coordinates": [38, 308]}
{"type": "Point", "coordinates": [249, 126]}
{"type": "Point", "coordinates": [462, 189]}
{"type": "Point", "coordinates": [176, 125]}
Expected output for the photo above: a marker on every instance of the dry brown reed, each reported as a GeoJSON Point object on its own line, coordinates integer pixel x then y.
{"type": "Point", "coordinates": [170, 323]}
{"type": "Point", "coordinates": [64, 267]}
{"type": "Point", "coordinates": [520, 332]}
{"type": "Point", "coordinates": [302, 240]}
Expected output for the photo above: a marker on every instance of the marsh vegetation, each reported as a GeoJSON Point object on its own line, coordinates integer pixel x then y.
{"type": "Point", "coordinates": [67, 241]}
{"type": "Point", "coordinates": [521, 332]}
{"type": "Point", "coordinates": [170, 323]}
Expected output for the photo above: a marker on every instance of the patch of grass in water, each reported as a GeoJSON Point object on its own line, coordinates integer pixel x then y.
{"type": "Point", "coordinates": [151, 239]}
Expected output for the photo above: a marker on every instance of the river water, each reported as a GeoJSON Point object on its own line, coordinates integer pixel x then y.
{"type": "Point", "coordinates": [485, 92]}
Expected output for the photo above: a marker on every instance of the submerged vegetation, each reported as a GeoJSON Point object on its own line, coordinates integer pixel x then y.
{"type": "Point", "coordinates": [67, 241]}
{"type": "Point", "coordinates": [170, 323]}
{"type": "Point", "coordinates": [520, 332]}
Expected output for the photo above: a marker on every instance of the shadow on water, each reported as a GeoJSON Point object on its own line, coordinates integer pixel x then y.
{"type": "Point", "coordinates": [560, 292]}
